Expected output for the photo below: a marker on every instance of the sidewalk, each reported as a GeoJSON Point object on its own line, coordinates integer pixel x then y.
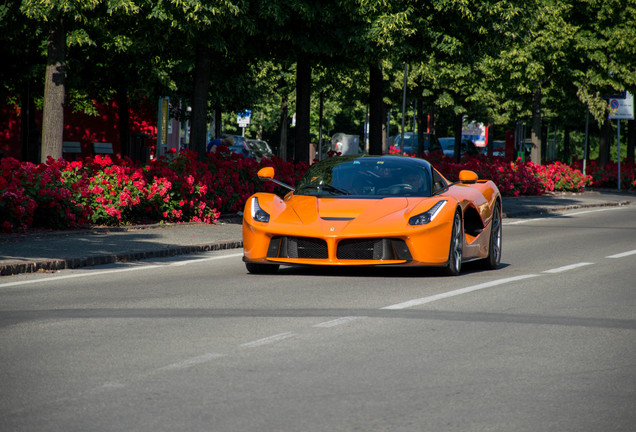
{"type": "Point", "coordinates": [47, 251]}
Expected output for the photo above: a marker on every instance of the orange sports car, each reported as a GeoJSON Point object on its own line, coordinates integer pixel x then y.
{"type": "Point", "coordinates": [371, 211]}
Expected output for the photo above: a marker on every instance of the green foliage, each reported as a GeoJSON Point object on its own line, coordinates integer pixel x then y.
{"type": "Point", "coordinates": [483, 59]}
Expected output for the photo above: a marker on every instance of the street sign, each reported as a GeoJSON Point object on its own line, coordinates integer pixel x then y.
{"type": "Point", "coordinates": [476, 132]}
{"type": "Point", "coordinates": [622, 108]}
{"type": "Point", "coordinates": [244, 118]}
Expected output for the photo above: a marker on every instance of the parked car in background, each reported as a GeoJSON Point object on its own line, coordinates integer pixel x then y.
{"type": "Point", "coordinates": [239, 149]}
{"type": "Point", "coordinates": [235, 143]}
{"type": "Point", "coordinates": [430, 144]}
{"type": "Point", "coordinates": [237, 140]}
{"type": "Point", "coordinates": [259, 149]}
{"type": "Point", "coordinates": [498, 148]}
{"type": "Point", "coordinates": [467, 147]}
{"type": "Point", "coordinates": [346, 144]}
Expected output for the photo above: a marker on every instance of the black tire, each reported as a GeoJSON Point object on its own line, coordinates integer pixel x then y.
{"type": "Point", "coordinates": [456, 249]}
{"type": "Point", "coordinates": [258, 268]}
{"type": "Point", "coordinates": [496, 240]}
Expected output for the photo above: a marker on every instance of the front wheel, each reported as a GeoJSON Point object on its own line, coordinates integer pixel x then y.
{"type": "Point", "coordinates": [257, 268]}
{"type": "Point", "coordinates": [456, 249]}
{"type": "Point", "coordinates": [496, 235]}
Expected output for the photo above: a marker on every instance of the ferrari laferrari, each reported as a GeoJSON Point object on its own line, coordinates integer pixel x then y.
{"type": "Point", "coordinates": [374, 211]}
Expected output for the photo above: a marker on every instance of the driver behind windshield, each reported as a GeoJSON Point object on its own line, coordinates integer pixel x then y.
{"type": "Point", "coordinates": [415, 180]}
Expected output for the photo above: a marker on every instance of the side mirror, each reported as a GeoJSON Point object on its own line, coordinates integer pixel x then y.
{"type": "Point", "coordinates": [466, 176]}
{"type": "Point", "coordinates": [266, 173]}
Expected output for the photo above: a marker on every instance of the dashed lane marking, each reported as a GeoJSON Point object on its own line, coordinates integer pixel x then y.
{"type": "Point", "coordinates": [622, 255]}
{"type": "Point", "coordinates": [429, 299]}
{"type": "Point", "coordinates": [268, 340]}
{"type": "Point", "coordinates": [568, 267]}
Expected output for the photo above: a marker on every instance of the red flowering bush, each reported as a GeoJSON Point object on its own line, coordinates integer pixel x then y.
{"type": "Point", "coordinates": [607, 176]}
{"type": "Point", "coordinates": [515, 178]}
{"type": "Point", "coordinates": [114, 191]}
{"type": "Point", "coordinates": [561, 177]}
{"type": "Point", "coordinates": [35, 195]}
{"type": "Point", "coordinates": [180, 188]}
{"type": "Point", "coordinates": [107, 192]}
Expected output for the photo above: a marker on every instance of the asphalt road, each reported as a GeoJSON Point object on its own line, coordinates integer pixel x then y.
{"type": "Point", "coordinates": [545, 343]}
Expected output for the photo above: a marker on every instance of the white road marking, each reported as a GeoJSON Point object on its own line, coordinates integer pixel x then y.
{"type": "Point", "coordinates": [429, 299]}
{"type": "Point", "coordinates": [187, 363]}
{"type": "Point", "coordinates": [193, 361]}
{"type": "Point", "coordinates": [558, 215]}
{"type": "Point", "coordinates": [121, 270]}
{"type": "Point", "coordinates": [623, 255]}
{"type": "Point", "coordinates": [78, 275]}
{"type": "Point", "coordinates": [524, 221]}
{"type": "Point", "coordinates": [336, 322]}
{"type": "Point", "coordinates": [568, 267]}
{"type": "Point", "coordinates": [197, 260]}
{"type": "Point", "coordinates": [268, 340]}
{"type": "Point", "coordinates": [604, 209]}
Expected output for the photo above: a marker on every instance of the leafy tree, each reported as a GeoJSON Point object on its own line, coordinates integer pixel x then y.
{"type": "Point", "coordinates": [22, 71]}
{"type": "Point", "coordinates": [606, 48]}
{"type": "Point", "coordinates": [533, 54]}
{"type": "Point", "coordinates": [495, 61]}
{"type": "Point", "coordinates": [62, 18]}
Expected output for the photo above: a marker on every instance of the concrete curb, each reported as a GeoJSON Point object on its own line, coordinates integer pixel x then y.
{"type": "Point", "coordinates": [73, 263]}
{"type": "Point", "coordinates": [561, 209]}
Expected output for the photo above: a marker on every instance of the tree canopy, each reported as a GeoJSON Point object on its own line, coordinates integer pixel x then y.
{"type": "Point", "coordinates": [495, 61]}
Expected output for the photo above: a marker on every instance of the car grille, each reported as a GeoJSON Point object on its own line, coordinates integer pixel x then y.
{"type": "Point", "coordinates": [373, 249]}
{"type": "Point", "coordinates": [348, 249]}
{"type": "Point", "coordinates": [297, 247]}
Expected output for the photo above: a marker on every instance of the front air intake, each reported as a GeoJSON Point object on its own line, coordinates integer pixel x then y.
{"type": "Point", "coordinates": [373, 249]}
{"type": "Point", "coordinates": [297, 247]}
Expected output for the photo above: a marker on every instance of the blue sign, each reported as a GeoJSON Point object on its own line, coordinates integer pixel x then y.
{"type": "Point", "coordinates": [244, 118]}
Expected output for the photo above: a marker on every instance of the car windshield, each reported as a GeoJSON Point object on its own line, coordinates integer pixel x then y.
{"type": "Point", "coordinates": [259, 145]}
{"type": "Point", "coordinates": [410, 139]}
{"type": "Point", "coordinates": [365, 177]}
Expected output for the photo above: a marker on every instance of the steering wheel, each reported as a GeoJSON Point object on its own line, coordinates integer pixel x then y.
{"type": "Point", "coordinates": [397, 188]}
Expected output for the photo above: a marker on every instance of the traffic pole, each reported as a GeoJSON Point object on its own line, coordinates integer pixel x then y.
{"type": "Point", "coordinates": [618, 150]}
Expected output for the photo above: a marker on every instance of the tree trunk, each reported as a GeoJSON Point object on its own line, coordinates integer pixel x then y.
{"type": "Point", "coordinates": [29, 137]}
{"type": "Point", "coordinates": [604, 144]}
{"type": "Point", "coordinates": [566, 144]}
{"type": "Point", "coordinates": [303, 109]}
{"type": "Point", "coordinates": [284, 107]}
{"type": "Point", "coordinates": [199, 115]}
{"type": "Point", "coordinates": [218, 119]}
{"type": "Point", "coordinates": [54, 89]}
{"type": "Point", "coordinates": [376, 115]}
{"type": "Point", "coordinates": [457, 131]}
{"type": "Point", "coordinates": [544, 142]}
{"type": "Point", "coordinates": [535, 153]}
{"type": "Point", "coordinates": [431, 121]}
{"type": "Point", "coordinates": [420, 121]}
{"type": "Point", "coordinates": [631, 138]}
{"type": "Point", "coordinates": [124, 123]}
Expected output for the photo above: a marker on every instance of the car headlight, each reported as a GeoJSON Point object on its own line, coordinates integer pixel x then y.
{"type": "Point", "coordinates": [258, 213]}
{"type": "Point", "coordinates": [427, 216]}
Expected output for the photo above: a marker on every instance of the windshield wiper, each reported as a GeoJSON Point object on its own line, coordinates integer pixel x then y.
{"type": "Point", "coordinates": [326, 187]}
